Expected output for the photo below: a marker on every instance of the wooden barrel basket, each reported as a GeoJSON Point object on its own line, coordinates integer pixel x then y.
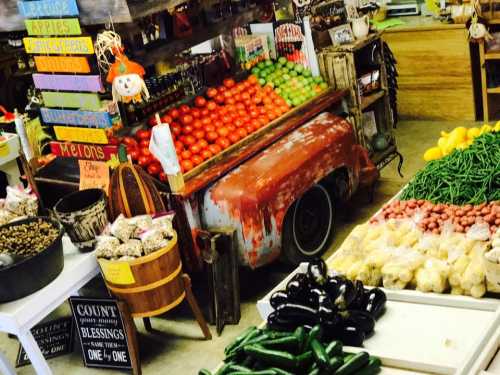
{"type": "Point", "coordinates": [154, 283]}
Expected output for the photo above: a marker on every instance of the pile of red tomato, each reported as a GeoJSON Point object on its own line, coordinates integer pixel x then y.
{"type": "Point", "coordinates": [224, 116]}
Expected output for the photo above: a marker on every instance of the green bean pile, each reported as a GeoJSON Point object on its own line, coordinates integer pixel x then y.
{"type": "Point", "coordinates": [470, 176]}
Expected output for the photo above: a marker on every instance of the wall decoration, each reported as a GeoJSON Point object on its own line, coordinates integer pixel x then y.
{"type": "Point", "coordinates": [62, 26]}
{"type": "Point", "coordinates": [62, 64]}
{"type": "Point", "coordinates": [126, 78]}
{"type": "Point", "coordinates": [341, 35]}
{"type": "Point", "coordinates": [80, 100]}
{"type": "Point", "coordinates": [67, 82]}
{"type": "Point", "coordinates": [74, 46]}
{"type": "Point", "coordinates": [85, 118]}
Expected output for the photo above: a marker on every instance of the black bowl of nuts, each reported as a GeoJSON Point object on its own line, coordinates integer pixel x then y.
{"type": "Point", "coordinates": [31, 256]}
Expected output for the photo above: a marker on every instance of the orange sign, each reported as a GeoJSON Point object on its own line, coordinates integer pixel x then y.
{"type": "Point", "coordinates": [93, 174]}
{"type": "Point", "coordinates": [62, 64]}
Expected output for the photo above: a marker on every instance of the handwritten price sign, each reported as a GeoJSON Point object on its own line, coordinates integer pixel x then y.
{"type": "Point", "coordinates": [93, 174]}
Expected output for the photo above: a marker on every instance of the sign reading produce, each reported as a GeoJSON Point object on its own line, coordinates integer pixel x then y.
{"type": "Point", "coordinates": [102, 333]}
{"type": "Point", "coordinates": [81, 45]}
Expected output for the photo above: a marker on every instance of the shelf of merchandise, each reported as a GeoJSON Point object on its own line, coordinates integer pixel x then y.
{"type": "Point", "coordinates": [368, 100]}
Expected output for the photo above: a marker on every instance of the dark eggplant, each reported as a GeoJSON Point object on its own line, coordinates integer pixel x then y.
{"type": "Point", "coordinates": [297, 288]}
{"type": "Point", "coordinates": [313, 296]}
{"type": "Point", "coordinates": [331, 327]}
{"type": "Point", "coordinates": [357, 302]}
{"type": "Point", "coordinates": [332, 286]}
{"type": "Point", "coordinates": [298, 313]}
{"type": "Point", "coordinates": [326, 309]}
{"type": "Point", "coordinates": [280, 323]}
{"type": "Point", "coordinates": [374, 302]}
{"type": "Point", "coordinates": [346, 295]}
{"type": "Point", "coordinates": [317, 271]}
{"type": "Point", "coordinates": [361, 319]}
{"type": "Point", "coordinates": [278, 298]}
{"type": "Point", "coordinates": [351, 336]}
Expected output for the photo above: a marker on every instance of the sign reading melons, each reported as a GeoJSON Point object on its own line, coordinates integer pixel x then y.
{"type": "Point", "coordinates": [81, 45]}
{"type": "Point", "coordinates": [83, 151]}
{"type": "Point", "coordinates": [47, 8]}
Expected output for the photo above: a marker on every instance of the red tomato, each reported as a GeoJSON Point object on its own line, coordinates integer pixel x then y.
{"type": "Point", "coordinates": [227, 95]}
{"type": "Point", "coordinates": [218, 124]}
{"type": "Point", "coordinates": [228, 82]}
{"type": "Point", "coordinates": [214, 116]}
{"type": "Point", "coordinates": [143, 134]}
{"type": "Point", "coordinates": [242, 113]}
{"type": "Point", "coordinates": [214, 149]}
{"type": "Point", "coordinates": [219, 99]}
{"type": "Point", "coordinates": [197, 124]}
{"type": "Point", "coordinates": [267, 101]}
{"type": "Point", "coordinates": [239, 123]}
{"type": "Point", "coordinates": [143, 160]}
{"type": "Point", "coordinates": [231, 128]}
{"type": "Point", "coordinates": [204, 112]}
{"type": "Point", "coordinates": [176, 128]}
{"type": "Point", "coordinates": [230, 101]}
{"type": "Point", "coordinates": [223, 142]}
{"type": "Point", "coordinates": [144, 143]}
{"type": "Point", "coordinates": [257, 99]}
{"type": "Point", "coordinates": [166, 119]}
{"type": "Point", "coordinates": [154, 168]}
{"type": "Point", "coordinates": [252, 91]}
{"type": "Point", "coordinates": [152, 121]}
{"type": "Point", "coordinates": [212, 136]}
{"type": "Point", "coordinates": [242, 132]}
{"type": "Point", "coordinates": [187, 129]}
{"type": "Point", "coordinates": [202, 143]}
{"type": "Point", "coordinates": [186, 154]}
{"type": "Point", "coordinates": [237, 98]}
{"type": "Point", "coordinates": [262, 110]}
{"type": "Point", "coordinates": [113, 141]}
{"type": "Point", "coordinates": [187, 165]}
{"type": "Point", "coordinates": [223, 132]}
{"type": "Point", "coordinates": [196, 113]}
{"type": "Point", "coordinates": [249, 128]}
{"type": "Point", "coordinates": [206, 121]}
{"type": "Point", "coordinates": [174, 113]}
{"type": "Point", "coordinates": [163, 177]}
{"type": "Point", "coordinates": [221, 89]}
{"type": "Point", "coordinates": [186, 119]}
{"type": "Point", "coordinates": [190, 140]}
{"type": "Point", "coordinates": [211, 105]}
{"type": "Point", "coordinates": [182, 138]}
{"type": "Point", "coordinates": [200, 101]}
{"type": "Point", "coordinates": [129, 141]}
{"type": "Point", "coordinates": [240, 106]}
{"type": "Point", "coordinates": [211, 93]}
{"type": "Point", "coordinates": [199, 134]}
{"type": "Point", "coordinates": [195, 149]}
{"type": "Point", "coordinates": [245, 96]}
{"type": "Point", "coordinates": [252, 79]}
{"type": "Point", "coordinates": [263, 121]}
{"type": "Point", "coordinates": [178, 144]}
{"type": "Point", "coordinates": [145, 151]}
{"type": "Point", "coordinates": [255, 123]}
{"type": "Point", "coordinates": [134, 154]}
{"type": "Point", "coordinates": [209, 128]}
{"type": "Point", "coordinates": [239, 87]}
{"type": "Point", "coordinates": [248, 103]}
{"type": "Point", "coordinates": [206, 154]}
{"type": "Point", "coordinates": [184, 109]}
{"type": "Point", "coordinates": [226, 119]}
{"type": "Point", "coordinates": [197, 159]}
{"type": "Point", "coordinates": [254, 113]}
{"type": "Point", "coordinates": [233, 137]}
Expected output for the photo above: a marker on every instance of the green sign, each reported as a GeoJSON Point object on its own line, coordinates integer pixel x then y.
{"type": "Point", "coordinates": [84, 101]}
{"type": "Point", "coordinates": [63, 26]}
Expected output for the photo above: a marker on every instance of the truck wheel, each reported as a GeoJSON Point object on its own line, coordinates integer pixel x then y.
{"type": "Point", "coordinates": [308, 227]}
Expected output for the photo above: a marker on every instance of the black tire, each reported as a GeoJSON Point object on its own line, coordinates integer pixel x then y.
{"type": "Point", "coordinates": [308, 227]}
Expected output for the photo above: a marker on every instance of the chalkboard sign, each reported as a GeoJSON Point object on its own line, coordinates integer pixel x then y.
{"type": "Point", "coordinates": [54, 338]}
{"type": "Point", "coordinates": [102, 333]}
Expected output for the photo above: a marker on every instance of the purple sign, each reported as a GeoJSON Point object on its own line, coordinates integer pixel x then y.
{"type": "Point", "coordinates": [85, 118]}
{"type": "Point", "coordinates": [67, 82]}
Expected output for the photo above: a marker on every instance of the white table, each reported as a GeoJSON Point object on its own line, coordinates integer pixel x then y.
{"type": "Point", "coordinates": [18, 317]}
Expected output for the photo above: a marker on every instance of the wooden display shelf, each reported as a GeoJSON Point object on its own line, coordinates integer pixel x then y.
{"type": "Point", "coordinates": [493, 90]}
{"type": "Point", "coordinates": [492, 56]}
{"type": "Point", "coordinates": [199, 35]}
{"type": "Point", "coordinates": [214, 168]}
{"type": "Point", "coordinates": [368, 100]}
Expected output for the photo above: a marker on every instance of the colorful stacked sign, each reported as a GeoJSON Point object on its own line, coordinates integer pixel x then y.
{"type": "Point", "coordinates": [72, 102]}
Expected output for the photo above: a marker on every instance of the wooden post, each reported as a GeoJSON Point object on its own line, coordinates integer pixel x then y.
{"type": "Point", "coordinates": [195, 308]}
{"type": "Point", "coordinates": [131, 332]}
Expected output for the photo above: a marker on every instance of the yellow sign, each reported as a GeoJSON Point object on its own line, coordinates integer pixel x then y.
{"type": "Point", "coordinates": [84, 135]}
{"type": "Point", "coordinates": [93, 175]}
{"type": "Point", "coordinates": [117, 272]}
{"type": "Point", "coordinates": [62, 64]}
{"type": "Point", "coordinates": [74, 46]}
{"type": "Point", "coordinates": [4, 149]}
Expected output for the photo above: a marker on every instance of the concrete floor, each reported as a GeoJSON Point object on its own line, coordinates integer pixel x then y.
{"type": "Point", "coordinates": [177, 346]}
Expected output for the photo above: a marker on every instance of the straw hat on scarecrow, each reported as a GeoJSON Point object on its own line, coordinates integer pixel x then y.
{"type": "Point", "coordinates": [126, 77]}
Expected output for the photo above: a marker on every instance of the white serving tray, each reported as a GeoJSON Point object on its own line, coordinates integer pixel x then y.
{"type": "Point", "coordinates": [425, 332]}
{"type": "Point", "coordinates": [488, 361]}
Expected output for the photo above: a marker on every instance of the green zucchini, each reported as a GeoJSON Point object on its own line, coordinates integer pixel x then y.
{"type": "Point", "coordinates": [315, 333]}
{"type": "Point", "coordinates": [280, 371]}
{"type": "Point", "coordinates": [275, 358]}
{"type": "Point", "coordinates": [373, 367]}
{"type": "Point", "coordinates": [334, 349]}
{"type": "Point", "coordinates": [320, 355]}
{"type": "Point", "coordinates": [354, 364]}
{"type": "Point", "coordinates": [301, 335]}
{"type": "Point", "coordinates": [233, 368]}
{"type": "Point", "coordinates": [287, 343]}
{"type": "Point", "coordinates": [252, 372]}
{"type": "Point", "coordinates": [204, 371]}
{"type": "Point", "coordinates": [224, 369]}
{"type": "Point", "coordinates": [304, 360]}
{"type": "Point", "coordinates": [240, 338]}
